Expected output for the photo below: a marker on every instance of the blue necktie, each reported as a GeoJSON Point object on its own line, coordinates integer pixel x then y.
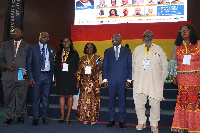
{"type": "Point", "coordinates": [116, 53]}
{"type": "Point", "coordinates": [43, 58]}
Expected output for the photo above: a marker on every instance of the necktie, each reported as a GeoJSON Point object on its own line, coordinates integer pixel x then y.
{"type": "Point", "coordinates": [43, 57]}
{"type": "Point", "coordinates": [15, 49]}
{"type": "Point", "coordinates": [116, 53]}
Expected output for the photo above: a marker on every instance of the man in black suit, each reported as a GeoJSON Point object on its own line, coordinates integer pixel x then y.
{"type": "Point", "coordinates": [40, 66]}
{"type": "Point", "coordinates": [12, 59]}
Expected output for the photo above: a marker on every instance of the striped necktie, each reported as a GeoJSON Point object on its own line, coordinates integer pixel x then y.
{"type": "Point", "coordinates": [116, 53]}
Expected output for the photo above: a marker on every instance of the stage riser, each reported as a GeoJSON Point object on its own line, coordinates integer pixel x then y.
{"type": "Point", "coordinates": [167, 106]}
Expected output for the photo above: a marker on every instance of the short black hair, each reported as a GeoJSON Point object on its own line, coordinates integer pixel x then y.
{"type": "Point", "coordinates": [94, 48]}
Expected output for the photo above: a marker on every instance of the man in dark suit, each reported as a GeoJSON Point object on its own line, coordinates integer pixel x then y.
{"type": "Point", "coordinates": [117, 70]}
{"type": "Point", "coordinates": [40, 66]}
{"type": "Point", "coordinates": [12, 59]}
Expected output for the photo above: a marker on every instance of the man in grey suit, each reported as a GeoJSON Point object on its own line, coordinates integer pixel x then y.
{"type": "Point", "coordinates": [12, 61]}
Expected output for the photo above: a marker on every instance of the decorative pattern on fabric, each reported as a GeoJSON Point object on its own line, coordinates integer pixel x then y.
{"type": "Point", "coordinates": [64, 56]}
{"type": "Point", "coordinates": [187, 111]}
{"type": "Point", "coordinates": [192, 49]}
{"type": "Point", "coordinates": [89, 98]}
{"type": "Point", "coordinates": [187, 97]}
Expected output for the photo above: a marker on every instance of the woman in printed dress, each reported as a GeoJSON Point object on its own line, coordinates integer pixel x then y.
{"type": "Point", "coordinates": [88, 80]}
{"type": "Point", "coordinates": [186, 56]}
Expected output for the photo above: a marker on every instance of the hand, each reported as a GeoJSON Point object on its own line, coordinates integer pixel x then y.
{"type": "Point", "coordinates": [132, 82]}
{"type": "Point", "coordinates": [174, 80]}
{"type": "Point", "coordinates": [106, 84]}
{"type": "Point", "coordinates": [77, 84]}
{"type": "Point", "coordinates": [10, 68]}
{"type": "Point", "coordinates": [127, 84]}
{"type": "Point", "coordinates": [25, 77]}
{"type": "Point", "coordinates": [31, 82]}
{"type": "Point", "coordinates": [55, 82]}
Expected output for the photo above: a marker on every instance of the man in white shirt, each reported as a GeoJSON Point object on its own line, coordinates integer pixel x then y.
{"type": "Point", "coordinates": [149, 72]}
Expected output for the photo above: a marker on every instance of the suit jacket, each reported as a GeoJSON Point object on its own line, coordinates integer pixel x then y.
{"type": "Point", "coordinates": [117, 71]}
{"type": "Point", "coordinates": [7, 56]}
{"type": "Point", "coordinates": [34, 61]}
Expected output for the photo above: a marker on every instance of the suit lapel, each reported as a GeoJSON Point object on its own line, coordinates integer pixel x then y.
{"type": "Point", "coordinates": [121, 52]}
{"type": "Point", "coordinates": [12, 48]}
{"type": "Point", "coordinates": [113, 53]}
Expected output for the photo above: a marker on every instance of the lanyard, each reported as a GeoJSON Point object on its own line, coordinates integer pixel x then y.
{"type": "Point", "coordinates": [186, 49]}
{"type": "Point", "coordinates": [147, 53]}
{"type": "Point", "coordinates": [88, 60]}
{"type": "Point", "coordinates": [66, 53]}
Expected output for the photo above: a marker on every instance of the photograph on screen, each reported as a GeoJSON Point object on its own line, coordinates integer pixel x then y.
{"type": "Point", "coordinates": [101, 3]}
{"type": "Point", "coordinates": [126, 2]}
{"type": "Point", "coordinates": [150, 1]}
{"type": "Point", "coordinates": [94, 12]}
{"type": "Point", "coordinates": [113, 13]}
{"type": "Point", "coordinates": [177, 1]}
{"type": "Point", "coordinates": [125, 12]}
{"type": "Point", "coordinates": [102, 13]}
{"type": "Point", "coordinates": [113, 3]}
{"type": "Point", "coordinates": [163, 1]}
{"type": "Point", "coordinates": [150, 10]}
{"type": "Point", "coordinates": [84, 4]}
{"type": "Point", "coordinates": [138, 2]}
{"type": "Point", "coordinates": [138, 11]}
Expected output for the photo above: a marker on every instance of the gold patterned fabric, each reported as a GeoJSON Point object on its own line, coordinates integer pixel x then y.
{"type": "Point", "coordinates": [89, 98]}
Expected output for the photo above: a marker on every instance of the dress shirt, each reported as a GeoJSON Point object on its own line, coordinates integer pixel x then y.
{"type": "Point", "coordinates": [47, 67]}
{"type": "Point", "coordinates": [18, 43]}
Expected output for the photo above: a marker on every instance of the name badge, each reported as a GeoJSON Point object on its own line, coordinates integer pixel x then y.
{"type": "Point", "coordinates": [46, 64]}
{"type": "Point", "coordinates": [88, 69]}
{"type": "Point", "coordinates": [145, 62]}
{"type": "Point", "coordinates": [21, 73]}
{"type": "Point", "coordinates": [186, 59]}
{"type": "Point", "coordinates": [65, 67]}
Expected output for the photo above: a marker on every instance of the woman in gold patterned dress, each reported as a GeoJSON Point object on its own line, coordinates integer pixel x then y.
{"type": "Point", "coordinates": [88, 80]}
{"type": "Point", "coordinates": [186, 56]}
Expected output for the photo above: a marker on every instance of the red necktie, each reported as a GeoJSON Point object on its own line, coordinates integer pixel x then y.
{"type": "Point", "coordinates": [15, 49]}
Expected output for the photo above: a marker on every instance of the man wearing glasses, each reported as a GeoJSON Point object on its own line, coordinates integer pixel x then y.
{"type": "Point", "coordinates": [149, 72]}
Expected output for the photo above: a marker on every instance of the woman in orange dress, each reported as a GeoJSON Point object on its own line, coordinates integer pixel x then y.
{"type": "Point", "coordinates": [88, 80]}
{"type": "Point", "coordinates": [186, 54]}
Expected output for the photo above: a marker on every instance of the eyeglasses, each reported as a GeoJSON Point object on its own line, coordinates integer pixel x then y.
{"type": "Point", "coordinates": [186, 29]}
{"type": "Point", "coordinates": [144, 36]}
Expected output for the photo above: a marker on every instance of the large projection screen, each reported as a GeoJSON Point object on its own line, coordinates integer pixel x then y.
{"type": "Point", "coordinates": [95, 12]}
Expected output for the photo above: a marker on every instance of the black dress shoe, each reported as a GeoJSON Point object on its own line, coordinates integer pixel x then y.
{"type": "Point", "coordinates": [122, 125]}
{"type": "Point", "coordinates": [7, 121]}
{"type": "Point", "coordinates": [35, 122]}
{"type": "Point", "coordinates": [20, 120]}
{"type": "Point", "coordinates": [111, 123]}
{"type": "Point", "coordinates": [45, 121]}
{"type": "Point", "coordinates": [61, 121]}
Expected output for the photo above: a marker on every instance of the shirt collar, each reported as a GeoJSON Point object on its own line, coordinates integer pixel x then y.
{"type": "Point", "coordinates": [18, 42]}
{"type": "Point", "coordinates": [41, 45]}
{"type": "Point", "coordinates": [118, 46]}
